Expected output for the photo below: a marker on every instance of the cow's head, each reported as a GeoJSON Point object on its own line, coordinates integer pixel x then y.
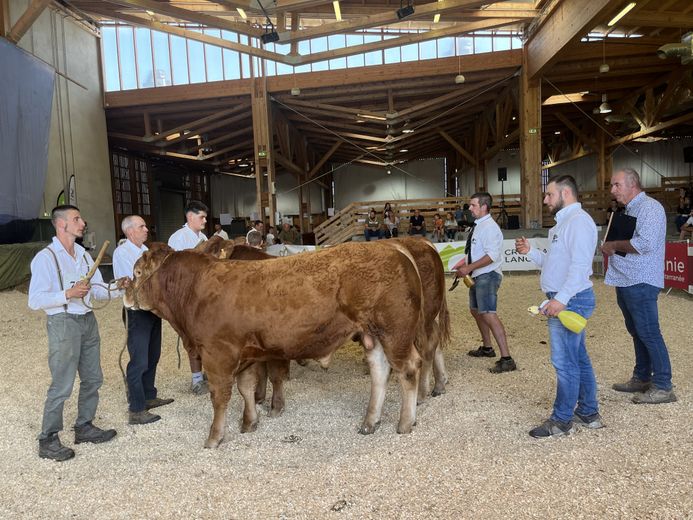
{"type": "Point", "coordinates": [215, 246]}
{"type": "Point", "coordinates": [140, 294]}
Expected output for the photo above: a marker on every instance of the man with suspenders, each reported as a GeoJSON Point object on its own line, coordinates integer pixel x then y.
{"type": "Point", "coordinates": [74, 346]}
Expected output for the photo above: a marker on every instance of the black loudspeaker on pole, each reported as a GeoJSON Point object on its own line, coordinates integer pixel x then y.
{"type": "Point", "coordinates": [503, 173]}
{"type": "Point", "coordinates": [688, 154]}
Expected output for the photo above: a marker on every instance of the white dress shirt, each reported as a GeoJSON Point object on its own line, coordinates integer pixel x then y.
{"type": "Point", "coordinates": [487, 239]}
{"type": "Point", "coordinates": [45, 291]}
{"type": "Point", "coordinates": [567, 265]}
{"type": "Point", "coordinates": [186, 238]}
{"type": "Point", "coordinates": [223, 234]}
{"type": "Point", "coordinates": [124, 258]}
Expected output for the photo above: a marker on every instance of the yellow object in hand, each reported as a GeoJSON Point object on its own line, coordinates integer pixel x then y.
{"type": "Point", "coordinates": [569, 319]}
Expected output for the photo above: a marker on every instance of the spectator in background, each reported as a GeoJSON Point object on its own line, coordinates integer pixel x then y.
{"type": "Point", "coordinates": [438, 228]}
{"type": "Point", "coordinates": [683, 211]}
{"type": "Point", "coordinates": [270, 239]}
{"type": "Point", "coordinates": [459, 217]}
{"type": "Point", "coordinates": [450, 227]}
{"type": "Point", "coordinates": [467, 217]}
{"type": "Point", "coordinates": [254, 239]}
{"type": "Point", "coordinates": [219, 231]}
{"type": "Point", "coordinates": [257, 226]}
{"type": "Point", "coordinates": [387, 208]}
{"type": "Point", "coordinates": [687, 228]}
{"type": "Point", "coordinates": [372, 227]}
{"type": "Point", "coordinates": [613, 207]}
{"type": "Point", "coordinates": [391, 225]}
{"type": "Point", "coordinates": [288, 235]}
{"type": "Point", "coordinates": [417, 224]}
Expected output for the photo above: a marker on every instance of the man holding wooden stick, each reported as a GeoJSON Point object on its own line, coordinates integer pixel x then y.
{"type": "Point", "coordinates": [60, 285]}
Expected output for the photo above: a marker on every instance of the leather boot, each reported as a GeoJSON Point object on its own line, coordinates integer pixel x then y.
{"type": "Point", "coordinates": [52, 448]}
{"type": "Point", "coordinates": [143, 417]}
{"type": "Point", "coordinates": [87, 432]}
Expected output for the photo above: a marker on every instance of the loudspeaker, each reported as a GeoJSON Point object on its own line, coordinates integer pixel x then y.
{"type": "Point", "coordinates": [688, 154]}
{"type": "Point", "coordinates": [502, 174]}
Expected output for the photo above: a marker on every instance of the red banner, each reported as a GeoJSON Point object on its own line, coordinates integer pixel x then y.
{"type": "Point", "coordinates": [678, 266]}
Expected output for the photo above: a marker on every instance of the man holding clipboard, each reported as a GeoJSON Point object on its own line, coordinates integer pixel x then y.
{"type": "Point", "coordinates": [636, 268]}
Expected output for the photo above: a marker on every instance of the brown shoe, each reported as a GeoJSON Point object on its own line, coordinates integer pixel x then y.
{"type": "Point", "coordinates": [632, 385]}
{"type": "Point", "coordinates": [654, 396]}
{"type": "Point", "coordinates": [51, 448]}
{"type": "Point", "coordinates": [87, 432]}
{"type": "Point", "coordinates": [143, 417]}
{"type": "Point", "coordinates": [156, 402]}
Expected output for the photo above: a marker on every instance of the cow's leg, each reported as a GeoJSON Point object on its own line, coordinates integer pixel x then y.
{"type": "Point", "coordinates": [409, 380]}
{"type": "Point", "coordinates": [439, 373]}
{"type": "Point", "coordinates": [424, 381]}
{"type": "Point", "coordinates": [221, 378]}
{"type": "Point", "coordinates": [247, 383]}
{"type": "Point", "coordinates": [380, 370]}
{"type": "Point", "coordinates": [261, 388]}
{"type": "Point", "coordinates": [278, 373]}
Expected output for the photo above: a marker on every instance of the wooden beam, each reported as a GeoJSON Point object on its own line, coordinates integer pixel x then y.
{"type": "Point", "coordinates": [4, 17]}
{"type": "Point", "coordinates": [263, 150]}
{"type": "Point", "coordinates": [197, 122]}
{"type": "Point", "coordinates": [567, 23]}
{"type": "Point", "coordinates": [530, 147]}
{"type": "Point", "coordinates": [464, 153]}
{"type": "Point", "coordinates": [668, 20]}
{"type": "Point", "coordinates": [22, 25]}
{"type": "Point", "coordinates": [505, 141]}
{"type": "Point", "coordinates": [573, 157]}
{"type": "Point", "coordinates": [653, 129]}
{"type": "Point", "coordinates": [573, 128]}
{"type": "Point", "coordinates": [324, 159]}
{"type": "Point", "coordinates": [191, 16]}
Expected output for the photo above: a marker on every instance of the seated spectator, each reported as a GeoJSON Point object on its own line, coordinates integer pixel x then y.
{"type": "Point", "coordinates": [467, 217]}
{"type": "Point", "coordinates": [687, 227]}
{"type": "Point", "coordinates": [288, 235]}
{"type": "Point", "coordinates": [614, 207]}
{"type": "Point", "coordinates": [270, 239]}
{"type": "Point", "coordinates": [683, 211]}
{"type": "Point", "coordinates": [438, 228]}
{"type": "Point", "coordinates": [257, 226]}
{"type": "Point", "coordinates": [391, 225]}
{"type": "Point", "coordinates": [372, 227]}
{"type": "Point", "coordinates": [218, 231]}
{"type": "Point", "coordinates": [387, 208]}
{"type": "Point", "coordinates": [450, 227]}
{"type": "Point", "coordinates": [254, 239]}
{"type": "Point", "coordinates": [417, 224]}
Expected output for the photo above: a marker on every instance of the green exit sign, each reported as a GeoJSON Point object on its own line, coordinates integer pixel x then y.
{"type": "Point", "coordinates": [532, 130]}
{"type": "Point", "coordinates": [262, 154]}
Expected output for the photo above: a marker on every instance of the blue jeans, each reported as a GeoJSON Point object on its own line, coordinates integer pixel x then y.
{"type": "Point", "coordinates": [638, 304]}
{"type": "Point", "coordinates": [576, 386]}
{"type": "Point", "coordinates": [483, 295]}
{"type": "Point", "coordinates": [373, 233]}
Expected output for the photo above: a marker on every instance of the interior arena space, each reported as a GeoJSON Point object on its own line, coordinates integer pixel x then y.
{"type": "Point", "coordinates": [469, 455]}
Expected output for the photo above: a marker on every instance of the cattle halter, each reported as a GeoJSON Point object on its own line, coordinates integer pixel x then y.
{"type": "Point", "coordinates": [146, 279]}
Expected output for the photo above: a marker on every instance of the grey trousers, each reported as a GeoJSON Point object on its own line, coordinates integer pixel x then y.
{"type": "Point", "coordinates": [74, 346]}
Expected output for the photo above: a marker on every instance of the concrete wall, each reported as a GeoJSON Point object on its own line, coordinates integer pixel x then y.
{"type": "Point", "coordinates": [412, 180]}
{"type": "Point", "coordinates": [78, 141]}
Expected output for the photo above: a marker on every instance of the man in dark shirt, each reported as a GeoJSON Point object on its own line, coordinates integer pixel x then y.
{"type": "Point", "coordinates": [417, 224]}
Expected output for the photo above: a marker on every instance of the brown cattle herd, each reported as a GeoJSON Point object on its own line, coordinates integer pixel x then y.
{"type": "Point", "coordinates": [387, 295]}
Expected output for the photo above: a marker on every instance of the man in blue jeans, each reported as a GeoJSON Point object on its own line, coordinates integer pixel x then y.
{"type": "Point", "coordinates": [638, 276]}
{"type": "Point", "coordinates": [565, 278]}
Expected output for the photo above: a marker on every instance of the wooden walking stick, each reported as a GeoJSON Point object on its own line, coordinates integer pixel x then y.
{"type": "Point", "coordinates": [97, 261]}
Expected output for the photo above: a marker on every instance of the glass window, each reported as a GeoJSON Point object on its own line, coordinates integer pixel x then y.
{"type": "Point", "coordinates": [427, 50]}
{"type": "Point", "coordinates": [145, 67]}
{"type": "Point", "coordinates": [303, 50]}
{"type": "Point", "coordinates": [319, 65]}
{"type": "Point", "coordinates": [232, 63]}
{"type": "Point", "coordinates": [245, 59]}
{"type": "Point", "coordinates": [318, 45]}
{"type": "Point", "coordinates": [501, 43]}
{"type": "Point", "coordinates": [392, 55]}
{"type": "Point", "coordinates": [126, 51]}
{"type": "Point", "coordinates": [373, 57]}
{"type": "Point", "coordinates": [179, 60]}
{"type": "Point", "coordinates": [215, 69]}
{"type": "Point", "coordinates": [446, 47]}
{"type": "Point", "coordinates": [411, 52]}
{"type": "Point", "coordinates": [196, 61]}
{"type": "Point", "coordinates": [110, 54]}
{"type": "Point", "coordinates": [338, 63]}
{"type": "Point", "coordinates": [354, 39]}
{"type": "Point", "coordinates": [517, 43]}
{"type": "Point", "coordinates": [482, 44]}
{"type": "Point", "coordinates": [336, 41]}
{"type": "Point", "coordinates": [465, 45]}
{"type": "Point", "coordinates": [162, 61]}
{"type": "Point", "coordinates": [270, 68]}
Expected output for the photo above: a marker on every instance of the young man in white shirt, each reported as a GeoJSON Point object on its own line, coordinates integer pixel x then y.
{"type": "Point", "coordinates": [144, 330]}
{"type": "Point", "coordinates": [484, 259]}
{"type": "Point", "coordinates": [188, 237]}
{"type": "Point", "coordinates": [74, 346]}
{"type": "Point", "coordinates": [218, 231]}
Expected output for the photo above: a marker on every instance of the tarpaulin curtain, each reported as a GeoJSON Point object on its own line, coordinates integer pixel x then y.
{"type": "Point", "coordinates": [26, 97]}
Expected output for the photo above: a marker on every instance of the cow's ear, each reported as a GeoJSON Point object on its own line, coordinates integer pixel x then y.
{"type": "Point", "coordinates": [159, 246]}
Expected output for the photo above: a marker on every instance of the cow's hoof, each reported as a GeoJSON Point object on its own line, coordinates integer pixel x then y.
{"type": "Point", "coordinates": [437, 392]}
{"type": "Point", "coordinates": [249, 428]}
{"type": "Point", "coordinates": [405, 429]}
{"type": "Point", "coordinates": [275, 412]}
{"type": "Point", "coordinates": [213, 443]}
{"type": "Point", "coordinates": [366, 429]}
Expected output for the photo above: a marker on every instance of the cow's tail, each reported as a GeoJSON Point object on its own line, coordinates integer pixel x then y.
{"type": "Point", "coordinates": [444, 324]}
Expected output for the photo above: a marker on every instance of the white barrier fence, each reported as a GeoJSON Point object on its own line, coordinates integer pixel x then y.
{"type": "Point", "coordinates": [450, 253]}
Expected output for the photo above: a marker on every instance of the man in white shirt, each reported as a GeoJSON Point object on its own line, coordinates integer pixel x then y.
{"type": "Point", "coordinates": [257, 226]}
{"type": "Point", "coordinates": [484, 259]}
{"type": "Point", "coordinates": [565, 279]}
{"type": "Point", "coordinates": [188, 237]}
{"type": "Point", "coordinates": [219, 231]}
{"type": "Point", "coordinates": [144, 330]}
{"type": "Point", "coordinates": [74, 346]}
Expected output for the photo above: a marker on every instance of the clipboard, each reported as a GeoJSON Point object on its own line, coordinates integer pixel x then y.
{"type": "Point", "coordinates": [621, 227]}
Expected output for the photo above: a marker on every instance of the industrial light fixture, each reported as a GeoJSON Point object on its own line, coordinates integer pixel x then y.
{"type": "Point", "coordinates": [604, 67]}
{"type": "Point", "coordinates": [436, 18]}
{"type": "Point", "coordinates": [620, 15]}
{"type": "Point", "coordinates": [295, 91]}
{"type": "Point", "coordinates": [408, 131]}
{"type": "Point", "coordinates": [459, 79]}
{"type": "Point", "coordinates": [404, 150]}
{"type": "Point", "coordinates": [241, 12]}
{"type": "Point", "coordinates": [150, 13]}
{"type": "Point", "coordinates": [604, 108]}
{"type": "Point", "coordinates": [405, 10]}
{"type": "Point", "coordinates": [368, 116]}
{"type": "Point", "coordinates": [270, 35]}
{"type": "Point", "coordinates": [337, 10]}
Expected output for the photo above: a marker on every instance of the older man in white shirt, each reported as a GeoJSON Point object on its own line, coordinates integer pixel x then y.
{"type": "Point", "coordinates": [188, 237]}
{"type": "Point", "coordinates": [144, 330]}
{"type": "Point", "coordinates": [59, 289]}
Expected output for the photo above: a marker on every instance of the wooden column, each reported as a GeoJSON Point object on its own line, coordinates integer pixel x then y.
{"type": "Point", "coordinates": [4, 17]}
{"type": "Point", "coordinates": [605, 161]}
{"type": "Point", "coordinates": [530, 147]}
{"type": "Point", "coordinates": [263, 147]}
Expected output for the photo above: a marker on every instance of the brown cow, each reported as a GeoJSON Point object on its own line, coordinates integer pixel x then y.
{"type": "Point", "coordinates": [219, 307]}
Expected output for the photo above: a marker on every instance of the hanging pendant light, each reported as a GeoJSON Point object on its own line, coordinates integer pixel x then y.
{"type": "Point", "coordinates": [604, 108]}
